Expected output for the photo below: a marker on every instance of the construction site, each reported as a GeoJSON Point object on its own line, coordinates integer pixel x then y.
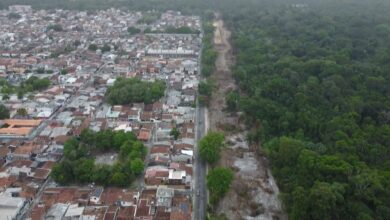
{"type": "Point", "coordinates": [254, 193]}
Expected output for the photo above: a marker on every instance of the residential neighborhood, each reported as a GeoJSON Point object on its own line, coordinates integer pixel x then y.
{"type": "Point", "coordinates": [58, 69]}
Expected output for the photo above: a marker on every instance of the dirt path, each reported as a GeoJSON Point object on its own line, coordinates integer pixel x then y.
{"type": "Point", "coordinates": [254, 194]}
{"type": "Point", "coordinates": [222, 78]}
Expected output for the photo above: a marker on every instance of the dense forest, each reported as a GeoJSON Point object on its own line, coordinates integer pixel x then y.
{"type": "Point", "coordinates": [314, 86]}
{"type": "Point", "coordinates": [314, 80]}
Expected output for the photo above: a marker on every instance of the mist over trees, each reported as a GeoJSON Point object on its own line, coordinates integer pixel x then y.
{"type": "Point", "coordinates": [314, 81]}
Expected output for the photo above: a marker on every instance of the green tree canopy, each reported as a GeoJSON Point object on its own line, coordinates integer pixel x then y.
{"type": "Point", "coordinates": [106, 48]}
{"type": "Point", "coordinates": [92, 47]}
{"type": "Point", "coordinates": [4, 112]}
{"type": "Point", "coordinates": [22, 112]}
{"type": "Point", "coordinates": [133, 30]}
{"type": "Point", "coordinates": [210, 147]}
{"type": "Point", "coordinates": [78, 165]}
{"type": "Point", "coordinates": [175, 133]}
{"type": "Point", "coordinates": [218, 182]}
{"type": "Point", "coordinates": [127, 91]}
{"type": "Point", "coordinates": [137, 166]}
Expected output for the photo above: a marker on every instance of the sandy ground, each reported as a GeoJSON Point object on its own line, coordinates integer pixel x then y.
{"type": "Point", "coordinates": [107, 159]}
{"type": "Point", "coordinates": [254, 193]}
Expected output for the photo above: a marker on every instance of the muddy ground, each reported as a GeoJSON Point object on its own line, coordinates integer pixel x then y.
{"type": "Point", "coordinates": [254, 193]}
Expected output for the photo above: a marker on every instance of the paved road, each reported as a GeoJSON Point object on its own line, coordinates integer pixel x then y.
{"type": "Point", "coordinates": [200, 199]}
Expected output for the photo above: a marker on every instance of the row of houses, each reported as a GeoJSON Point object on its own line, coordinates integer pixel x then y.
{"type": "Point", "coordinates": [57, 45]}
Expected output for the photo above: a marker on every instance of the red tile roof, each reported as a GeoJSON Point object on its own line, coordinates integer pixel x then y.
{"type": "Point", "coordinates": [159, 149]}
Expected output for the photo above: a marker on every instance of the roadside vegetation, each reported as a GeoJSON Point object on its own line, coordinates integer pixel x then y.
{"type": "Point", "coordinates": [210, 147]}
{"type": "Point", "coordinates": [209, 56]}
{"type": "Point", "coordinates": [205, 89]}
{"type": "Point", "coordinates": [218, 182]}
{"type": "Point", "coordinates": [127, 91]}
{"type": "Point", "coordinates": [219, 179]}
{"type": "Point", "coordinates": [78, 165]}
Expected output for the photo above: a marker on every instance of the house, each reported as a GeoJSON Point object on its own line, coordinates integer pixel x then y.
{"type": "Point", "coordinates": [144, 211]}
{"type": "Point", "coordinates": [156, 175]}
{"type": "Point", "coordinates": [177, 177]}
{"type": "Point", "coordinates": [26, 151]}
{"type": "Point", "coordinates": [146, 116]}
{"type": "Point", "coordinates": [144, 135]}
{"type": "Point", "coordinates": [18, 127]}
{"type": "Point", "coordinates": [181, 158]}
{"type": "Point", "coordinates": [134, 114]}
{"type": "Point", "coordinates": [3, 154]}
{"type": "Point", "coordinates": [41, 174]}
{"type": "Point", "coordinates": [10, 206]}
{"type": "Point", "coordinates": [164, 196]}
{"type": "Point", "coordinates": [158, 159]}
{"type": "Point", "coordinates": [95, 195]}
{"type": "Point", "coordinates": [181, 208]}
{"type": "Point", "coordinates": [73, 212]}
{"type": "Point", "coordinates": [57, 211]}
{"type": "Point", "coordinates": [126, 213]}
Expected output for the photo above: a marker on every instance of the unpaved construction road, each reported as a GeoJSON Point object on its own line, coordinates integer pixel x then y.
{"type": "Point", "coordinates": [222, 77]}
{"type": "Point", "coordinates": [254, 193]}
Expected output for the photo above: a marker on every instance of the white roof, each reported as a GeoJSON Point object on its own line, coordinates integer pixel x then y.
{"type": "Point", "coordinates": [71, 80]}
{"type": "Point", "coordinates": [44, 114]}
{"type": "Point", "coordinates": [123, 127]}
{"type": "Point", "coordinates": [87, 217]}
{"type": "Point", "coordinates": [111, 81]}
{"type": "Point", "coordinates": [10, 202]}
{"type": "Point", "coordinates": [10, 206]}
{"type": "Point", "coordinates": [43, 100]}
{"type": "Point", "coordinates": [177, 174]}
{"type": "Point", "coordinates": [188, 152]}
{"type": "Point", "coordinates": [74, 211]}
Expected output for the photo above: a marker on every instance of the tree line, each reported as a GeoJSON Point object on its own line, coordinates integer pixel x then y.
{"type": "Point", "coordinates": [208, 58]}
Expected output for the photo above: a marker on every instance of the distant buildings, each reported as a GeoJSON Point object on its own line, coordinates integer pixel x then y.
{"type": "Point", "coordinates": [56, 45]}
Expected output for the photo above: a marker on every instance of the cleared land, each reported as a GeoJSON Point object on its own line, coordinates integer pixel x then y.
{"type": "Point", "coordinates": [254, 193]}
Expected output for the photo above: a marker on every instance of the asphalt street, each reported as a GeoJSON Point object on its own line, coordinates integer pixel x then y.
{"type": "Point", "coordinates": [200, 189]}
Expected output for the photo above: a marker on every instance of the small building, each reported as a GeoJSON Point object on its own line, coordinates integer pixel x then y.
{"type": "Point", "coordinates": [95, 195]}
{"type": "Point", "coordinates": [177, 177]}
{"type": "Point", "coordinates": [10, 206]}
{"type": "Point", "coordinates": [164, 196]}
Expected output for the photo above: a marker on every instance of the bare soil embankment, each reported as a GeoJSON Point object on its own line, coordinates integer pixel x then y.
{"type": "Point", "coordinates": [254, 193]}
